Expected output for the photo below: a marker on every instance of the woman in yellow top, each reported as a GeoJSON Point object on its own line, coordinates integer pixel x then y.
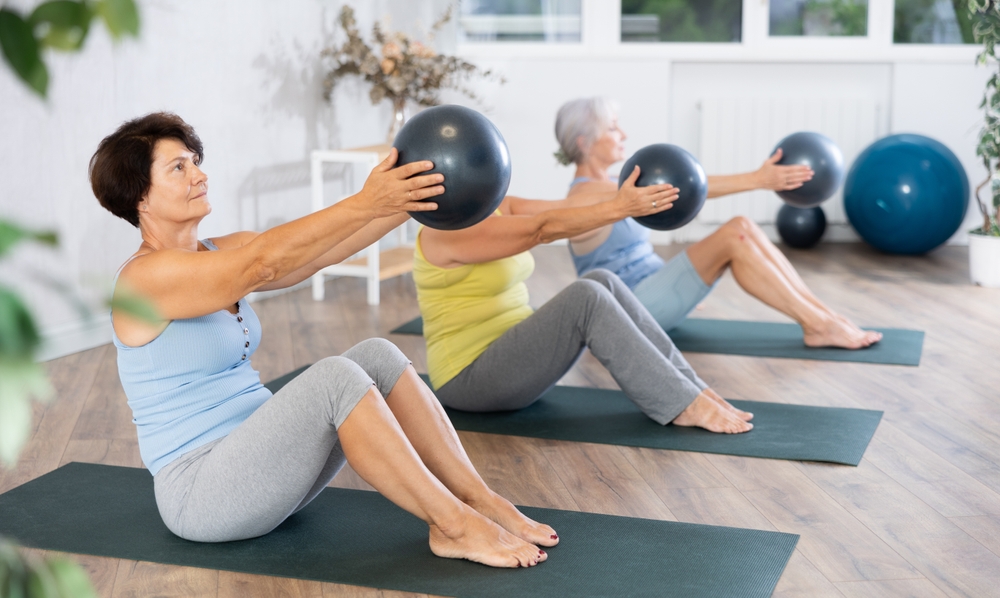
{"type": "Point", "coordinates": [487, 350]}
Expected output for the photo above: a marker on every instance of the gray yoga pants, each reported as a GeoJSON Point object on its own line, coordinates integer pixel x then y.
{"type": "Point", "coordinates": [597, 311]}
{"type": "Point", "coordinates": [273, 464]}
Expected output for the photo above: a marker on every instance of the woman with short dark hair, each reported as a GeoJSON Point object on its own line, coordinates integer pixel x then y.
{"type": "Point", "coordinates": [229, 460]}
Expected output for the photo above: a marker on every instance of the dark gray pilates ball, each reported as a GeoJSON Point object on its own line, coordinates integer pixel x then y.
{"type": "Point", "coordinates": [663, 163]}
{"type": "Point", "coordinates": [820, 153]}
{"type": "Point", "coordinates": [471, 154]}
{"type": "Point", "coordinates": [801, 228]}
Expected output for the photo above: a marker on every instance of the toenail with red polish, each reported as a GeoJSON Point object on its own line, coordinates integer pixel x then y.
{"type": "Point", "coordinates": [554, 537]}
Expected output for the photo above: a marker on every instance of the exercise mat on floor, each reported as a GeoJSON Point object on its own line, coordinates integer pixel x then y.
{"type": "Point", "coordinates": [781, 431]}
{"type": "Point", "coordinates": [772, 339]}
{"type": "Point", "coordinates": [360, 538]}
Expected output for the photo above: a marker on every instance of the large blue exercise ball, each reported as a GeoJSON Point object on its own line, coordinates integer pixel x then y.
{"type": "Point", "coordinates": [471, 154]}
{"type": "Point", "coordinates": [819, 153]}
{"type": "Point", "coordinates": [662, 163]}
{"type": "Point", "coordinates": [906, 194]}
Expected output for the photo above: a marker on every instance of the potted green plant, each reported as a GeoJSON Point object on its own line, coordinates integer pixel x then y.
{"type": "Point", "coordinates": [984, 241]}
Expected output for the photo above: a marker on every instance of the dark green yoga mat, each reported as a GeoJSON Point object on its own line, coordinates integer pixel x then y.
{"type": "Point", "coordinates": [359, 538]}
{"type": "Point", "coordinates": [781, 431]}
{"type": "Point", "coordinates": [772, 339]}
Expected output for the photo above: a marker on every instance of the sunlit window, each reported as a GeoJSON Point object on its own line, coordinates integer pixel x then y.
{"type": "Point", "coordinates": [932, 22]}
{"type": "Point", "coordinates": [819, 18]}
{"type": "Point", "coordinates": [520, 20]}
{"type": "Point", "coordinates": [682, 20]}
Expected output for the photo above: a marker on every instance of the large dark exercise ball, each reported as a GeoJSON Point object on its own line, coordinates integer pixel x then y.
{"type": "Point", "coordinates": [662, 163]}
{"type": "Point", "coordinates": [801, 227]}
{"type": "Point", "coordinates": [820, 153]}
{"type": "Point", "coordinates": [471, 154]}
{"type": "Point", "coordinates": [906, 194]}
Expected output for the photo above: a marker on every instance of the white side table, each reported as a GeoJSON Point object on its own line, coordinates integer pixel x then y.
{"type": "Point", "coordinates": [375, 266]}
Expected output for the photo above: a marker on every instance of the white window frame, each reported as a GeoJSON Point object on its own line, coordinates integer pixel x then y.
{"type": "Point", "coordinates": [601, 39]}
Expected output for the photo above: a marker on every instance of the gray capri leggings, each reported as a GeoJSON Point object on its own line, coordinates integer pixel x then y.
{"type": "Point", "coordinates": [273, 464]}
{"type": "Point", "coordinates": [597, 311]}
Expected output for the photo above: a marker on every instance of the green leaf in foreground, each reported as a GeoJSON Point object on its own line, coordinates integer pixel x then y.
{"type": "Point", "coordinates": [20, 382]}
{"type": "Point", "coordinates": [21, 50]}
{"type": "Point", "coordinates": [19, 337]}
{"type": "Point", "coordinates": [120, 16]}
{"type": "Point", "coordinates": [11, 234]}
{"type": "Point", "coordinates": [135, 305]}
{"type": "Point", "coordinates": [61, 24]}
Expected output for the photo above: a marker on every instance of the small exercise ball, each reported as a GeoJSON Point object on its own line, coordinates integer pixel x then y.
{"type": "Point", "coordinates": [801, 228]}
{"type": "Point", "coordinates": [663, 163]}
{"type": "Point", "coordinates": [471, 154]}
{"type": "Point", "coordinates": [906, 194]}
{"type": "Point", "coordinates": [820, 153]}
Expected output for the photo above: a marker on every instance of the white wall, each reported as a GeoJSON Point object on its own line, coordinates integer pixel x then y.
{"type": "Point", "coordinates": [247, 76]}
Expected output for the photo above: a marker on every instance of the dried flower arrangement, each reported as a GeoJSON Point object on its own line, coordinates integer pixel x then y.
{"type": "Point", "coordinates": [407, 70]}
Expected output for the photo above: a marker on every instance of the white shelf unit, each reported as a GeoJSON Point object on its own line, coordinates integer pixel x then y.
{"type": "Point", "coordinates": [371, 264]}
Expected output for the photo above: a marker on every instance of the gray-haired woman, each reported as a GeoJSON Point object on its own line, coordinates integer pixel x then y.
{"type": "Point", "coordinates": [590, 138]}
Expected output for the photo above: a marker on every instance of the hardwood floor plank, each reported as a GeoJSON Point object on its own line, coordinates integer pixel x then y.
{"type": "Point", "coordinates": [986, 529]}
{"type": "Point", "coordinates": [137, 579]}
{"type": "Point", "coordinates": [602, 480]}
{"type": "Point", "coordinates": [941, 551]}
{"type": "Point", "coordinates": [896, 588]}
{"type": "Point", "coordinates": [244, 585]}
{"type": "Point", "coordinates": [802, 579]}
{"type": "Point", "coordinates": [72, 378]}
{"type": "Point", "coordinates": [833, 539]}
{"type": "Point", "coordinates": [516, 468]}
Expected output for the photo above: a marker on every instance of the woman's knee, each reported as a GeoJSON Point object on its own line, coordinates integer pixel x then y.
{"type": "Point", "coordinates": [342, 383]}
{"type": "Point", "coordinates": [381, 360]}
{"type": "Point", "coordinates": [605, 278]}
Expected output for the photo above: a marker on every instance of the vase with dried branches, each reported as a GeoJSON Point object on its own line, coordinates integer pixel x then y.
{"type": "Point", "coordinates": [399, 69]}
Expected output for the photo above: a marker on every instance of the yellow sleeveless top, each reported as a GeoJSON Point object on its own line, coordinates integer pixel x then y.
{"type": "Point", "coordinates": [466, 308]}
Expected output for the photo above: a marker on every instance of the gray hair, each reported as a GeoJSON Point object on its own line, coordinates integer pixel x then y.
{"type": "Point", "coordinates": [586, 119]}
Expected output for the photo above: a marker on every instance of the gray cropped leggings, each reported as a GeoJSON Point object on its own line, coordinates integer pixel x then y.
{"type": "Point", "coordinates": [597, 311]}
{"type": "Point", "coordinates": [273, 464]}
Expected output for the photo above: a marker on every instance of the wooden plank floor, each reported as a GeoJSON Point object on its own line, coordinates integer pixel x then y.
{"type": "Point", "coordinates": [919, 517]}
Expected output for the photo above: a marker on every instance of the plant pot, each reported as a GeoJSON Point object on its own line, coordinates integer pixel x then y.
{"type": "Point", "coordinates": [984, 260]}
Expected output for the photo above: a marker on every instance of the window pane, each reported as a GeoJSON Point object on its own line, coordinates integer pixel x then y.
{"type": "Point", "coordinates": [822, 18]}
{"type": "Point", "coordinates": [932, 22]}
{"type": "Point", "coordinates": [682, 20]}
{"type": "Point", "coordinates": [520, 20]}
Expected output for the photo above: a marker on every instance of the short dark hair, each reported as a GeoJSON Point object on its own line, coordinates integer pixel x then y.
{"type": "Point", "coordinates": [120, 170]}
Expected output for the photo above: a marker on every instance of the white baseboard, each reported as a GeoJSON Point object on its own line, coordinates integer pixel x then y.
{"type": "Point", "coordinates": [74, 337]}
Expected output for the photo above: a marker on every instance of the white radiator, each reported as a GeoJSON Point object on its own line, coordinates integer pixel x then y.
{"type": "Point", "coordinates": [737, 134]}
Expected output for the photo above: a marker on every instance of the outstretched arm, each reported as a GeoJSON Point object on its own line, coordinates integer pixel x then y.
{"type": "Point", "coordinates": [503, 236]}
{"type": "Point", "coordinates": [187, 284]}
{"type": "Point", "coordinates": [770, 175]}
{"type": "Point", "coordinates": [519, 206]}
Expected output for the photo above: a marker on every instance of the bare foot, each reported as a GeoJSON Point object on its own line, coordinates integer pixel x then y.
{"type": "Point", "coordinates": [744, 415]}
{"type": "Point", "coordinates": [840, 332]}
{"type": "Point", "coordinates": [704, 412]}
{"type": "Point", "coordinates": [506, 515]}
{"type": "Point", "coordinates": [478, 539]}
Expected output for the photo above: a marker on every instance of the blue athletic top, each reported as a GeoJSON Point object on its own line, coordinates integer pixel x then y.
{"type": "Point", "coordinates": [192, 384]}
{"type": "Point", "coordinates": [627, 251]}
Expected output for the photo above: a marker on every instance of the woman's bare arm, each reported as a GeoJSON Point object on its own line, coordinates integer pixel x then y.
{"type": "Point", "coordinates": [188, 284]}
{"type": "Point", "coordinates": [770, 175]}
{"type": "Point", "coordinates": [503, 236]}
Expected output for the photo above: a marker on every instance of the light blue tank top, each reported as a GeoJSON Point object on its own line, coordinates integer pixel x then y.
{"type": "Point", "coordinates": [627, 251]}
{"type": "Point", "coordinates": [193, 383]}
